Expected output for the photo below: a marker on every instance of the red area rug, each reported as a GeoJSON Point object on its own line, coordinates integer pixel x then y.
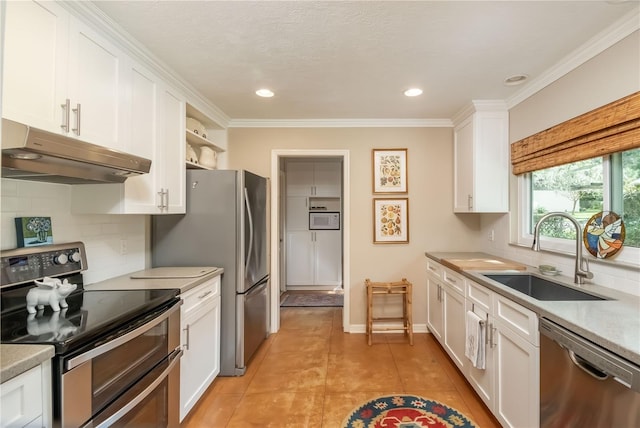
{"type": "Point", "coordinates": [312, 299]}
{"type": "Point", "coordinates": [406, 411]}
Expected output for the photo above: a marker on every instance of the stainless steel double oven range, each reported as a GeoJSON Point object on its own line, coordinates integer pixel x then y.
{"type": "Point", "coordinates": [117, 353]}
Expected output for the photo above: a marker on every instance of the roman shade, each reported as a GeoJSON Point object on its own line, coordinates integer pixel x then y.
{"type": "Point", "coordinates": [614, 127]}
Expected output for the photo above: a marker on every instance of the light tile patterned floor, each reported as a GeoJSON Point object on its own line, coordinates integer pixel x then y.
{"type": "Point", "coordinates": [311, 374]}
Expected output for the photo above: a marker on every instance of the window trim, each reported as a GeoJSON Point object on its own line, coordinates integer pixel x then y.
{"type": "Point", "coordinates": [629, 256]}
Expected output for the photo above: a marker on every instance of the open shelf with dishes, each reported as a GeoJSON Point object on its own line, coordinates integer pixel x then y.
{"type": "Point", "coordinates": [201, 135]}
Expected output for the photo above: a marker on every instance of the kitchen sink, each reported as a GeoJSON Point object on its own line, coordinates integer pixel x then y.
{"type": "Point", "coordinates": [540, 288]}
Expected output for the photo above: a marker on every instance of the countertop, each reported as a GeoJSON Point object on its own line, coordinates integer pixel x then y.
{"type": "Point", "coordinates": [613, 324]}
{"type": "Point", "coordinates": [158, 279]}
{"type": "Point", "coordinates": [17, 359]}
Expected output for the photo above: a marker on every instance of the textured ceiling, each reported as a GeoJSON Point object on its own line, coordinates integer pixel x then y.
{"type": "Point", "coordinates": [354, 59]}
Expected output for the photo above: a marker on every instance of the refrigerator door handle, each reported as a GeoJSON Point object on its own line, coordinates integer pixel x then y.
{"type": "Point", "coordinates": [249, 216]}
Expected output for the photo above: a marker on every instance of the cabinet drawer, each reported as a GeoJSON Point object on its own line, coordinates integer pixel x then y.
{"type": "Point", "coordinates": [434, 268]}
{"type": "Point", "coordinates": [22, 399]}
{"type": "Point", "coordinates": [454, 280]}
{"type": "Point", "coordinates": [201, 294]}
{"type": "Point", "coordinates": [479, 295]}
{"type": "Point", "coordinates": [520, 320]}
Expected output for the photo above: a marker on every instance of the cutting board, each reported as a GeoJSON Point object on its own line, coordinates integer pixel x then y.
{"type": "Point", "coordinates": [483, 263]}
{"type": "Point", "coordinates": [173, 272]}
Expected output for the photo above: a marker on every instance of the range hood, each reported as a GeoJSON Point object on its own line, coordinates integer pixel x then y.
{"type": "Point", "coordinates": [37, 155]}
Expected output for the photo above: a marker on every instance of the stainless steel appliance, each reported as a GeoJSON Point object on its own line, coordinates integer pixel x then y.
{"type": "Point", "coordinates": [37, 155]}
{"type": "Point", "coordinates": [225, 226]}
{"type": "Point", "coordinates": [117, 353]}
{"type": "Point", "coordinates": [584, 385]}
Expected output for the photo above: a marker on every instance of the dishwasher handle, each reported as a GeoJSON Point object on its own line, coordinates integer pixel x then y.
{"type": "Point", "coordinates": [587, 367]}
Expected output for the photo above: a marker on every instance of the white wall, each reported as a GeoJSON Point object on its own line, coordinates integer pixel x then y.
{"type": "Point", "coordinates": [103, 235]}
{"type": "Point", "coordinates": [607, 77]}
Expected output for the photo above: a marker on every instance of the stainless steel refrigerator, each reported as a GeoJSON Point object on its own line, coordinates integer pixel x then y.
{"type": "Point", "coordinates": [225, 226]}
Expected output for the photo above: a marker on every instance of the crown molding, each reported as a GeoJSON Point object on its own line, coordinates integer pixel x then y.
{"type": "Point", "coordinates": [94, 16]}
{"type": "Point", "coordinates": [594, 46]}
{"type": "Point", "coordinates": [478, 106]}
{"type": "Point", "coordinates": [340, 123]}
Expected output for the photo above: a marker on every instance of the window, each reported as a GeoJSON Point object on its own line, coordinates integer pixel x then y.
{"type": "Point", "coordinates": [610, 183]}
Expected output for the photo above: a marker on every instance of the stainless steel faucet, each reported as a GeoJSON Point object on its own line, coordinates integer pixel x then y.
{"type": "Point", "coordinates": [580, 273]}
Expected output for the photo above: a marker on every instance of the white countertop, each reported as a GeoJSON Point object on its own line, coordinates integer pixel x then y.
{"type": "Point", "coordinates": [179, 278]}
{"type": "Point", "coordinates": [613, 324]}
{"type": "Point", "coordinates": [17, 359]}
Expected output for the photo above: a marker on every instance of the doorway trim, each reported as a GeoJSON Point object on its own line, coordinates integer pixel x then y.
{"type": "Point", "coordinates": [276, 156]}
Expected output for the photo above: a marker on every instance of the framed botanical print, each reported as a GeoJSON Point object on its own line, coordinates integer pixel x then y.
{"type": "Point", "coordinates": [391, 221]}
{"type": "Point", "coordinates": [389, 171]}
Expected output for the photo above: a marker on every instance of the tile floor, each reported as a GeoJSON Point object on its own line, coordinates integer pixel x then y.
{"type": "Point", "coordinates": [311, 374]}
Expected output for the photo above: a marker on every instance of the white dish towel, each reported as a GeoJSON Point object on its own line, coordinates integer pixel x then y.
{"type": "Point", "coordinates": [474, 346]}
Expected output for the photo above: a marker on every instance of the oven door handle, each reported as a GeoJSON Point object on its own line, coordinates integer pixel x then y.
{"type": "Point", "coordinates": [112, 344]}
{"type": "Point", "coordinates": [117, 414]}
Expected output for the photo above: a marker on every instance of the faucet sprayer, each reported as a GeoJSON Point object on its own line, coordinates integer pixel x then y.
{"type": "Point", "coordinates": [580, 272]}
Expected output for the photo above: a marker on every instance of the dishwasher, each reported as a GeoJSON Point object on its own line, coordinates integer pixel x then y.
{"type": "Point", "coordinates": [584, 385]}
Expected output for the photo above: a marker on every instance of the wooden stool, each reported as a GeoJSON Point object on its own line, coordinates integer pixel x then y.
{"type": "Point", "coordinates": [402, 288]}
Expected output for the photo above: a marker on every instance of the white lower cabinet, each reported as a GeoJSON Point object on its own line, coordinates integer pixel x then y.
{"type": "Point", "coordinates": [200, 363]}
{"type": "Point", "coordinates": [435, 308]}
{"type": "Point", "coordinates": [517, 364]}
{"type": "Point", "coordinates": [509, 384]}
{"type": "Point", "coordinates": [314, 257]}
{"type": "Point", "coordinates": [446, 307]}
{"type": "Point", "coordinates": [25, 400]}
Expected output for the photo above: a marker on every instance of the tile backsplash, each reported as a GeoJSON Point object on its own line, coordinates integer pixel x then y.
{"type": "Point", "coordinates": [115, 244]}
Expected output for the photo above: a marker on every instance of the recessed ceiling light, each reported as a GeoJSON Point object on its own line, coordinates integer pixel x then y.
{"type": "Point", "coordinates": [413, 92]}
{"type": "Point", "coordinates": [515, 80]}
{"type": "Point", "coordinates": [265, 93]}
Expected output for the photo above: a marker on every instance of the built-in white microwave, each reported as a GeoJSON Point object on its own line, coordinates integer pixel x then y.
{"type": "Point", "coordinates": [324, 220]}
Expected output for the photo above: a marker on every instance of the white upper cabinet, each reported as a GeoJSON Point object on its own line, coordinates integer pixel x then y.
{"type": "Point", "coordinates": [35, 62]}
{"type": "Point", "coordinates": [481, 158]}
{"type": "Point", "coordinates": [61, 76]}
{"type": "Point", "coordinates": [314, 179]}
{"type": "Point", "coordinates": [156, 131]}
{"type": "Point", "coordinates": [96, 82]}
{"type": "Point", "coordinates": [172, 162]}
{"type": "Point", "coordinates": [327, 179]}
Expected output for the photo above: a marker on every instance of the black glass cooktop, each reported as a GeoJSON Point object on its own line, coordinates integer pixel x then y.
{"type": "Point", "coordinates": [91, 315]}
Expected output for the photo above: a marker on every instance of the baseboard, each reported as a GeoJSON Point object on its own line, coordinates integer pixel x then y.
{"type": "Point", "coordinates": [314, 287]}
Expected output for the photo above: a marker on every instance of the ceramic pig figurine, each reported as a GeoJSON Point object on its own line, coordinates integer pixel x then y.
{"type": "Point", "coordinates": [51, 292]}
